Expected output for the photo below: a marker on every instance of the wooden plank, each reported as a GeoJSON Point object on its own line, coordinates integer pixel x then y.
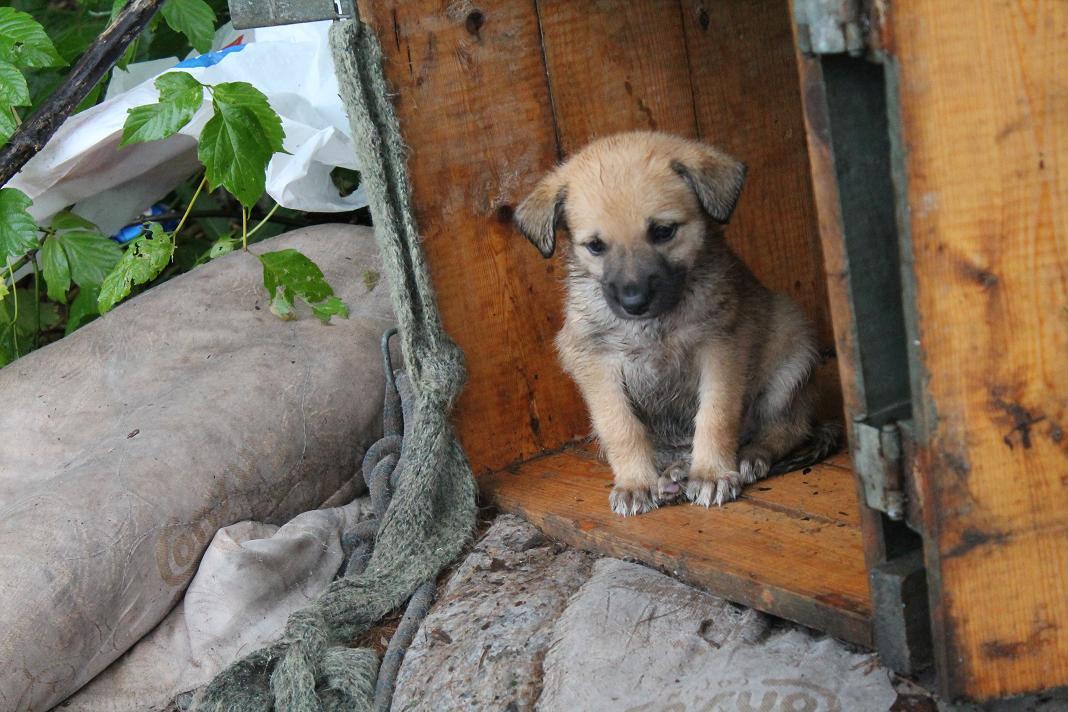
{"type": "Point", "coordinates": [984, 126]}
{"type": "Point", "coordinates": [831, 232]}
{"type": "Point", "coordinates": [747, 100]}
{"type": "Point", "coordinates": [474, 107]}
{"type": "Point", "coordinates": [616, 65]}
{"type": "Point", "coordinates": [823, 493]}
{"type": "Point", "coordinates": [766, 550]}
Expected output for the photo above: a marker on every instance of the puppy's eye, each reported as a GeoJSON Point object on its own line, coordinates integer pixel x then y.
{"type": "Point", "coordinates": [596, 246]}
{"type": "Point", "coordinates": [660, 234]}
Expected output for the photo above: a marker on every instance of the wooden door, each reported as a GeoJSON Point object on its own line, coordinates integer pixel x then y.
{"type": "Point", "coordinates": [958, 117]}
{"type": "Point", "coordinates": [983, 95]}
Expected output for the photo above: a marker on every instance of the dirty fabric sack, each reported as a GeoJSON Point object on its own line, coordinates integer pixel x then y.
{"type": "Point", "coordinates": [251, 578]}
{"type": "Point", "coordinates": [127, 445]}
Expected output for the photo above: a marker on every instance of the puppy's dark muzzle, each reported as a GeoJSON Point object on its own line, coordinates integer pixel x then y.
{"type": "Point", "coordinates": [636, 298]}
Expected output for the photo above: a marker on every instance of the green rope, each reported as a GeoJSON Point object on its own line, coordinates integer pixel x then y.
{"type": "Point", "coordinates": [432, 513]}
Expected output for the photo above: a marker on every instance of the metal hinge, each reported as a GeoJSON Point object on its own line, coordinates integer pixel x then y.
{"type": "Point", "coordinates": [266, 13]}
{"type": "Point", "coordinates": [830, 26]}
{"type": "Point", "coordinates": [879, 461]}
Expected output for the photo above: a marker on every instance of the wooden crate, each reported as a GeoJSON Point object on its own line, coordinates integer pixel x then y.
{"type": "Point", "coordinates": [490, 95]}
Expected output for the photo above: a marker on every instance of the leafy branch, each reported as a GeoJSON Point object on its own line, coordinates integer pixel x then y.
{"type": "Point", "coordinates": [82, 268]}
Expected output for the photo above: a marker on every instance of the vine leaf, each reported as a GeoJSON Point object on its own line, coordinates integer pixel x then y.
{"type": "Point", "coordinates": [180, 96]}
{"type": "Point", "coordinates": [56, 269]}
{"type": "Point", "coordinates": [91, 256]}
{"type": "Point", "coordinates": [288, 274]}
{"type": "Point", "coordinates": [18, 231]}
{"type": "Point", "coordinates": [83, 309]}
{"type": "Point", "coordinates": [144, 259]}
{"type": "Point", "coordinates": [238, 141]}
{"type": "Point", "coordinates": [78, 252]}
{"type": "Point", "coordinates": [24, 43]}
{"type": "Point", "coordinates": [193, 18]}
{"type": "Point", "coordinates": [13, 88]}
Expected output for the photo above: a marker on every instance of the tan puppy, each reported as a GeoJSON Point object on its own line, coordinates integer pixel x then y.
{"type": "Point", "coordinates": [690, 368]}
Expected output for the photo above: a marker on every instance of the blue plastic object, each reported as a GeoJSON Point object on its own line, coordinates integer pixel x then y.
{"type": "Point", "coordinates": [133, 230]}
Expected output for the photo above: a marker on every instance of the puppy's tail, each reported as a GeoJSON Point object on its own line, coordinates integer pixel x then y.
{"type": "Point", "coordinates": [826, 440]}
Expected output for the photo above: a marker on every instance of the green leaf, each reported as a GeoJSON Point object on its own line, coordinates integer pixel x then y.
{"type": "Point", "coordinates": [3, 289]}
{"type": "Point", "coordinates": [179, 98]}
{"type": "Point", "coordinates": [23, 41]}
{"type": "Point", "coordinates": [333, 306]}
{"type": "Point", "coordinates": [56, 269]}
{"type": "Point", "coordinates": [288, 273]}
{"type": "Point", "coordinates": [282, 306]}
{"type": "Point", "coordinates": [83, 309]}
{"type": "Point", "coordinates": [66, 220]}
{"type": "Point", "coordinates": [18, 230]}
{"type": "Point", "coordinates": [13, 88]}
{"type": "Point", "coordinates": [238, 141]}
{"type": "Point", "coordinates": [8, 124]}
{"type": "Point", "coordinates": [26, 324]}
{"type": "Point", "coordinates": [222, 246]}
{"type": "Point", "coordinates": [142, 262]}
{"type": "Point", "coordinates": [193, 18]}
{"type": "Point", "coordinates": [91, 256]}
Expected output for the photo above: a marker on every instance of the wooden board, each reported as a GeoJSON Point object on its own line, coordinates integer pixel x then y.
{"type": "Point", "coordinates": [984, 122]}
{"type": "Point", "coordinates": [616, 65]}
{"type": "Point", "coordinates": [473, 104]}
{"type": "Point", "coordinates": [790, 546]}
{"type": "Point", "coordinates": [747, 100]}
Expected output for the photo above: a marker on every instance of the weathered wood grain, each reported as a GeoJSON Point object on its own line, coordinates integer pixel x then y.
{"type": "Point", "coordinates": [790, 546]}
{"type": "Point", "coordinates": [473, 103]}
{"type": "Point", "coordinates": [616, 65]}
{"type": "Point", "coordinates": [983, 91]}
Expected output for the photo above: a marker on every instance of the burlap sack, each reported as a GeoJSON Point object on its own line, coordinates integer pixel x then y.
{"type": "Point", "coordinates": [124, 447]}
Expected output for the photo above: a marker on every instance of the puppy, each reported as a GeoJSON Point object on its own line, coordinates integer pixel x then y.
{"type": "Point", "coordinates": [698, 379]}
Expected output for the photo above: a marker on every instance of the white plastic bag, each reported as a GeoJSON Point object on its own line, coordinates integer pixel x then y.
{"type": "Point", "coordinates": [83, 165]}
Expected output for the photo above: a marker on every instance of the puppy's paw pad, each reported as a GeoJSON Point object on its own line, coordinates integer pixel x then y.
{"type": "Point", "coordinates": [668, 489]}
{"type": "Point", "coordinates": [630, 502]}
{"type": "Point", "coordinates": [753, 467]}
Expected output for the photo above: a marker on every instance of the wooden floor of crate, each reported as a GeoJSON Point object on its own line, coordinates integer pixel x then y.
{"type": "Point", "coordinates": [790, 546]}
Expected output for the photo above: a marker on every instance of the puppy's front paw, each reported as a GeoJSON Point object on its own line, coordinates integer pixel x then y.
{"type": "Point", "coordinates": [629, 502]}
{"type": "Point", "coordinates": [753, 465]}
{"type": "Point", "coordinates": [672, 482]}
{"type": "Point", "coordinates": [717, 490]}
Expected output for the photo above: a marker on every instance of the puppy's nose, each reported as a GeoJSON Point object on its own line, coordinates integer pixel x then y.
{"type": "Point", "coordinates": [635, 298]}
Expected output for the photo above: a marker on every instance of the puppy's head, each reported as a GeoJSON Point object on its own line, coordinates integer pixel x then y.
{"type": "Point", "coordinates": [638, 207]}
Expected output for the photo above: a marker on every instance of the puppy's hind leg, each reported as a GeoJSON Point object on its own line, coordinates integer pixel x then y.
{"type": "Point", "coordinates": [786, 440]}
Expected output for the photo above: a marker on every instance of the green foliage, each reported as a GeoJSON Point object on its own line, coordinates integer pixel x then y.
{"type": "Point", "coordinates": [83, 309]}
{"type": "Point", "coordinates": [23, 45]}
{"type": "Point", "coordinates": [288, 274]}
{"type": "Point", "coordinates": [179, 98]}
{"type": "Point", "coordinates": [85, 273]}
{"type": "Point", "coordinates": [193, 18]}
{"type": "Point", "coordinates": [22, 316]}
{"type": "Point", "coordinates": [238, 141]}
{"type": "Point", "coordinates": [144, 259]}
{"type": "Point", "coordinates": [76, 251]}
{"type": "Point", "coordinates": [18, 230]}
{"type": "Point", "coordinates": [13, 88]}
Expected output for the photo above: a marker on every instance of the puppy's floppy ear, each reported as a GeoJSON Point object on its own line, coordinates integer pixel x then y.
{"type": "Point", "coordinates": [542, 212]}
{"type": "Point", "coordinates": [715, 177]}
